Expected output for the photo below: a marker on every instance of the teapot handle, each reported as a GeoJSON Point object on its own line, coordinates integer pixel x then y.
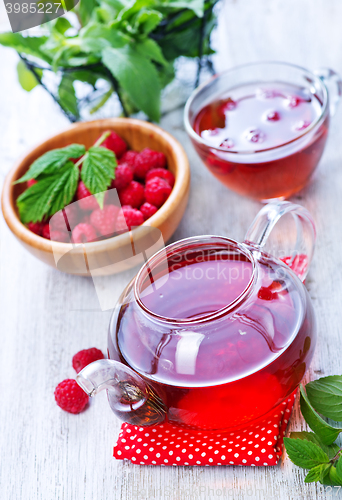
{"type": "Point", "coordinates": [300, 257]}
{"type": "Point", "coordinates": [333, 82]}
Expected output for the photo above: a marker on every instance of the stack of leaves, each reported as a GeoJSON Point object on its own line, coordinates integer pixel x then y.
{"type": "Point", "coordinates": [132, 44]}
{"type": "Point", "coordinates": [317, 450]}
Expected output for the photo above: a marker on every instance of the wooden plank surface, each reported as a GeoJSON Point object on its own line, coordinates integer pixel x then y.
{"type": "Point", "coordinates": [46, 316]}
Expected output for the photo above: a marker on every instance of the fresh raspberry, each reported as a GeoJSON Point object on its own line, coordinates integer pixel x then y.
{"type": "Point", "coordinates": [85, 199]}
{"type": "Point", "coordinates": [66, 218]}
{"type": "Point", "coordinates": [128, 217]}
{"type": "Point", "coordinates": [61, 236]}
{"type": "Point", "coordinates": [36, 227]}
{"type": "Point", "coordinates": [104, 220]}
{"type": "Point", "coordinates": [123, 176]}
{"type": "Point", "coordinates": [115, 143]}
{"type": "Point", "coordinates": [31, 182]}
{"type": "Point", "coordinates": [70, 397]}
{"type": "Point", "coordinates": [162, 173]}
{"type": "Point", "coordinates": [146, 160]}
{"type": "Point", "coordinates": [128, 157]}
{"type": "Point", "coordinates": [157, 191]}
{"type": "Point", "coordinates": [132, 195]}
{"type": "Point", "coordinates": [85, 357]}
{"type": "Point", "coordinates": [148, 210]}
{"type": "Point", "coordinates": [83, 233]}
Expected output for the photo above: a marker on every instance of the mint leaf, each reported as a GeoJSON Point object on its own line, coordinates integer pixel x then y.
{"type": "Point", "coordinates": [305, 453]}
{"type": "Point", "coordinates": [137, 76]}
{"type": "Point", "coordinates": [98, 169]}
{"type": "Point", "coordinates": [150, 49]}
{"type": "Point", "coordinates": [315, 473]}
{"type": "Point", "coordinates": [26, 78]}
{"type": "Point", "coordinates": [335, 477]}
{"type": "Point", "coordinates": [325, 396]}
{"type": "Point", "coordinates": [51, 161]}
{"type": "Point", "coordinates": [326, 432]}
{"type": "Point", "coordinates": [26, 45]}
{"type": "Point", "coordinates": [330, 450]}
{"type": "Point", "coordinates": [339, 468]}
{"type": "Point", "coordinates": [146, 20]}
{"type": "Point", "coordinates": [52, 193]}
{"type": "Point", "coordinates": [61, 25]}
{"type": "Point", "coordinates": [196, 5]}
{"type": "Point", "coordinates": [67, 95]}
{"type": "Point", "coordinates": [96, 36]}
{"type": "Point", "coordinates": [325, 476]}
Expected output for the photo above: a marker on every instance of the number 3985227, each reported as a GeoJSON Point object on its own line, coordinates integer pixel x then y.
{"type": "Point", "coordinates": [33, 8]}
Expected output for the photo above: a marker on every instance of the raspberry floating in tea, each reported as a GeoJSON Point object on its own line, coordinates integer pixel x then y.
{"type": "Point", "coordinates": [255, 135]}
{"type": "Point", "coordinates": [273, 116]}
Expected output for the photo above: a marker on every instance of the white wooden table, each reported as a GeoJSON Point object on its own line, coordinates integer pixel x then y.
{"type": "Point", "coordinates": [46, 316]}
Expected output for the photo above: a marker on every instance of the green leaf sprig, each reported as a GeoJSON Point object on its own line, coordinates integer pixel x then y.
{"type": "Point", "coordinates": [57, 179]}
{"type": "Point", "coordinates": [134, 41]}
{"type": "Point", "coordinates": [318, 451]}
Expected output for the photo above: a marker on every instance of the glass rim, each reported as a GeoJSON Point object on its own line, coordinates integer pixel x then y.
{"type": "Point", "coordinates": [171, 250]}
{"type": "Point", "coordinates": [193, 134]}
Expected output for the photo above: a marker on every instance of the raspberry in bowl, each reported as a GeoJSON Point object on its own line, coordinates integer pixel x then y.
{"type": "Point", "coordinates": [87, 238]}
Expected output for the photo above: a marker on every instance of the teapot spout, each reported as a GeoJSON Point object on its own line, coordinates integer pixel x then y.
{"type": "Point", "coordinates": [129, 396]}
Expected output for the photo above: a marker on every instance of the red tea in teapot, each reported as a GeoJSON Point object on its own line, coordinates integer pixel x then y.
{"type": "Point", "coordinates": [219, 337]}
{"type": "Point", "coordinates": [254, 118]}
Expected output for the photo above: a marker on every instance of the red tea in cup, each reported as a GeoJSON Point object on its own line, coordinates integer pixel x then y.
{"type": "Point", "coordinates": [261, 128]}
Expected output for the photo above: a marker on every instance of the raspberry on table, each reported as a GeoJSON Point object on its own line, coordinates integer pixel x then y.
{"type": "Point", "coordinates": [128, 217]}
{"type": "Point", "coordinates": [65, 219]}
{"type": "Point", "coordinates": [84, 233]}
{"type": "Point", "coordinates": [31, 182]}
{"type": "Point", "coordinates": [85, 357]}
{"type": "Point", "coordinates": [115, 143]}
{"type": "Point", "coordinates": [162, 173]}
{"type": "Point", "coordinates": [146, 160]}
{"type": "Point", "coordinates": [123, 176]}
{"type": "Point", "coordinates": [128, 157]}
{"type": "Point", "coordinates": [132, 195]}
{"type": "Point", "coordinates": [36, 227]}
{"type": "Point", "coordinates": [70, 397]}
{"type": "Point", "coordinates": [104, 220]}
{"type": "Point", "coordinates": [157, 191]}
{"type": "Point", "coordinates": [86, 201]}
{"type": "Point", "coordinates": [148, 210]}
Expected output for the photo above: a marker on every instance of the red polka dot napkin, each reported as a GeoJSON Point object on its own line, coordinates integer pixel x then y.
{"type": "Point", "coordinates": [167, 444]}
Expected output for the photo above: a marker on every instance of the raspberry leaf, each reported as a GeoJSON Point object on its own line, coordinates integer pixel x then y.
{"type": "Point", "coordinates": [326, 432]}
{"type": "Point", "coordinates": [51, 161]}
{"type": "Point", "coordinates": [129, 67]}
{"type": "Point", "coordinates": [52, 193]}
{"type": "Point", "coordinates": [305, 453]}
{"type": "Point", "coordinates": [325, 395]}
{"type": "Point", "coordinates": [98, 169]}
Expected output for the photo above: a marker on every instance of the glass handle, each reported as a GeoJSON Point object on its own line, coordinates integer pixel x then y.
{"type": "Point", "coordinates": [301, 255]}
{"type": "Point", "coordinates": [333, 82]}
{"type": "Point", "coordinates": [129, 396]}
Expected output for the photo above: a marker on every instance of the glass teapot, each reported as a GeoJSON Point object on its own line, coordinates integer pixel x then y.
{"type": "Point", "coordinates": [211, 333]}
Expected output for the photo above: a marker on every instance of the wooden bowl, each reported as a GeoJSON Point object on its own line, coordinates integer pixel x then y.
{"type": "Point", "coordinates": [121, 252]}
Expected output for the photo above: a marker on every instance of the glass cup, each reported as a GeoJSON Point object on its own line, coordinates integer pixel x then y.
{"type": "Point", "coordinates": [264, 173]}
